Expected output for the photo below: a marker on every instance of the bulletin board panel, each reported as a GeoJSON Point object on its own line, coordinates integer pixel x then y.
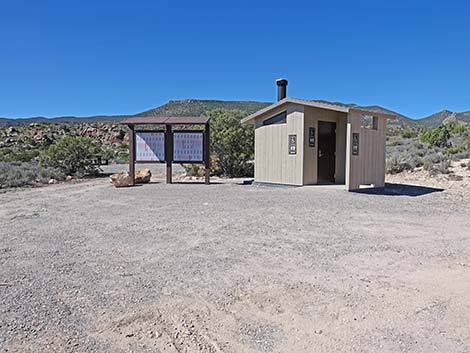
{"type": "Point", "coordinates": [150, 146]}
{"type": "Point", "coordinates": [188, 146]}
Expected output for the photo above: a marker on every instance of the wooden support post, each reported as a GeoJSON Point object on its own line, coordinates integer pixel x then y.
{"type": "Point", "coordinates": [169, 154]}
{"type": "Point", "coordinates": [207, 153]}
{"type": "Point", "coordinates": [132, 154]}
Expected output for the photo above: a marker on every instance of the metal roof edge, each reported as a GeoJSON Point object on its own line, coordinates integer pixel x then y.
{"type": "Point", "coordinates": [264, 110]}
{"type": "Point", "coordinates": [176, 120]}
{"type": "Point", "coordinates": [315, 104]}
{"type": "Point", "coordinates": [303, 102]}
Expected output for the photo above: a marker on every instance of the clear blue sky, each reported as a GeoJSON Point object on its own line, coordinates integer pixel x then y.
{"type": "Point", "coordinates": [88, 57]}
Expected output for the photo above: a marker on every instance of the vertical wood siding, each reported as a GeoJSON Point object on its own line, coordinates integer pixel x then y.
{"type": "Point", "coordinates": [369, 166]}
{"type": "Point", "coordinates": [273, 163]}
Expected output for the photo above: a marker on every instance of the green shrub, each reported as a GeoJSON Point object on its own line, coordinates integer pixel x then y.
{"type": "Point", "coordinates": [456, 149]}
{"type": "Point", "coordinates": [457, 127]}
{"type": "Point", "coordinates": [195, 170]}
{"type": "Point", "coordinates": [395, 143]}
{"type": "Point", "coordinates": [460, 155]}
{"type": "Point", "coordinates": [442, 167]}
{"type": "Point", "coordinates": [409, 134]}
{"type": "Point", "coordinates": [466, 142]}
{"type": "Point", "coordinates": [107, 152]}
{"type": "Point", "coordinates": [19, 154]}
{"type": "Point", "coordinates": [232, 143]}
{"type": "Point", "coordinates": [418, 149]}
{"type": "Point", "coordinates": [72, 155]}
{"type": "Point", "coordinates": [4, 154]}
{"type": "Point", "coordinates": [436, 163]}
{"type": "Point", "coordinates": [399, 162]}
{"type": "Point", "coordinates": [433, 158]}
{"type": "Point", "coordinates": [437, 137]}
{"type": "Point", "coordinates": [16, 174]}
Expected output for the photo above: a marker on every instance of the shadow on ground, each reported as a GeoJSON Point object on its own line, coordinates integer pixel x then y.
{"type": "Point", "coordinates": [399, 190]}
{"type": "Point", "coordinates": [196, 182]}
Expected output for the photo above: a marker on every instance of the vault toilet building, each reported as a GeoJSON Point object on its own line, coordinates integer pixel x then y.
{"type": "Point", "coordinates": [303, 142]}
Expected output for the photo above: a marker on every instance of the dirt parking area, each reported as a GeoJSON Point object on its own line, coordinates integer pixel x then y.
{"type": "Point", "coordinates": [85, 267]}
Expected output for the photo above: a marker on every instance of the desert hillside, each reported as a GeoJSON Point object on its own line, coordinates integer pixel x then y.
{"type": "Point", "coordinates": [197, 107]}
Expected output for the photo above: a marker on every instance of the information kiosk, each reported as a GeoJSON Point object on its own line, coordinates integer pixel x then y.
{"type": "Point", "coordinates": [168, 140]}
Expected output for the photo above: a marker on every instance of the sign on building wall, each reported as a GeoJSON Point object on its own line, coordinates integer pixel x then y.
{"type": "Point", "coordinates": [292, 144]}
{"type": "Point", "coordinates": [150, 146]}
{"type": "Point", "coordinates": [355, 144]}
{"type": "Point", "coordinates": [311, 137]}
{"type": "Point", "coordinates": [188, 146]}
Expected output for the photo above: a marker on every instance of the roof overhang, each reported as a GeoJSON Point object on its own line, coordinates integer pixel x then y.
{"type": "Point", "coordinates": [160, 120]}
{"type": "Point", "coordinates": [316, 104]}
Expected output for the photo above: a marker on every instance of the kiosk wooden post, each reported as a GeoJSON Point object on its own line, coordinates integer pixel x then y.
{"type": "Point", "coordinates": [207, 153]}
{"type": "Point", "coordinates": [132, 154]}
{"type": "Point", "coordinates": [169, 154]}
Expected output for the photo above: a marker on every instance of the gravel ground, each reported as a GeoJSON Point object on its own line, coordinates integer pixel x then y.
{"type": "Point", "coordinates": [236, 268]}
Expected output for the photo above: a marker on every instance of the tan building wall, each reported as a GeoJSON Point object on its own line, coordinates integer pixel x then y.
{"type": "Point", "coordinates": [368, 167]}
{"type": "Point", "coordinates": [312, 116]}
{"type": "Point", "coordinates": [273, 163]}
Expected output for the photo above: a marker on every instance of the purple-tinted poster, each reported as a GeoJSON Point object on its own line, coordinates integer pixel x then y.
{"type": "Point", "coordinates": [150, 146]}
{"type": "Point", "coordinates": [188, 146]}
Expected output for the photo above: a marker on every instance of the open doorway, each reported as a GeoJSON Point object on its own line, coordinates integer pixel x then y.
{"type": "Point", "coordinates": [326, 152]}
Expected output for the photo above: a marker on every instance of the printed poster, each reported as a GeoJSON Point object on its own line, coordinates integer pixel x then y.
{"type": "Point", "coordinates": [188, 146]}
{"type": "Point", "coordinates": [150, 146]}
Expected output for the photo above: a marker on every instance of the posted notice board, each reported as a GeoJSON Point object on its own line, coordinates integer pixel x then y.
{"type": "Point", "coordinates": [188, 146]}
{"type": "Point", "coordinates": [150, 146]}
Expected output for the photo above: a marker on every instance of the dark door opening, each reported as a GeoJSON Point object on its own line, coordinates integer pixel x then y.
{"type": "Point", "coordinates": [326, 152]}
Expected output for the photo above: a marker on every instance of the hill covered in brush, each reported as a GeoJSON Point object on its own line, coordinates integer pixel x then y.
{"type": "Point", "coordinates": [187, 107]}
{"type": "Point", "coordinates": [197, 107]}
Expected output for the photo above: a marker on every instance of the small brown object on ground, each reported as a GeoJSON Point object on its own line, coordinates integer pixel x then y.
{"type": "Point", "coordinates": [143, 176]}
{"type": "Point", "coordinates": [121, 179]}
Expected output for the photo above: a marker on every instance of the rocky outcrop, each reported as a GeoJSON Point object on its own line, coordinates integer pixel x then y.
{"type": "Point", "coordinates": [42, 135]}
{"type": "Point", "coordinates": [107, 134]}
{"type": "Point", "coordinates": [451, 118]}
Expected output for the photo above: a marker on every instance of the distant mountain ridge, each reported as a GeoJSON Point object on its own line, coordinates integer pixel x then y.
{"type": "Point", "coordinates": [196, 107]}
{"type": "Point", "coordinates": [4, 122]}
{"type": "Point", "coordinates": [186, 107]}
{"type": "Point", "coordinates": [444, 115]}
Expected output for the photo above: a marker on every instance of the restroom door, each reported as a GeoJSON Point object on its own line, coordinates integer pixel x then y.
{"type": "Point", "coordinates": [326, 152]}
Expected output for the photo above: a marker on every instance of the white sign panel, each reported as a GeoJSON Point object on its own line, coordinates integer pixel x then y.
{"type": "Point", "coordinates": [150, 146]}
{"type": "Point", "coordinates": [188, 146]}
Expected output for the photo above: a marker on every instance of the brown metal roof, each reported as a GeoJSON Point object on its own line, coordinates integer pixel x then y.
{"type": "Point", "coordinates": [187, 120]}
{"type": "Point", "coordinates": [174, 120]}
{"type": "Point", "coordinates": [339, 107]}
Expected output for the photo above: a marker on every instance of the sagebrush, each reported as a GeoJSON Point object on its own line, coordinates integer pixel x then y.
{"type": "Point", "coordinates": [16, 174]}
{"type": "Point", "coordinates": [73, 155]}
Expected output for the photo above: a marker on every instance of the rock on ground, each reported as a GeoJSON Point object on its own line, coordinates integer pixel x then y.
{"type": "Point", "coordinates": [143, 176]}
{"type": "Point", "coordinates": [121, 179]}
